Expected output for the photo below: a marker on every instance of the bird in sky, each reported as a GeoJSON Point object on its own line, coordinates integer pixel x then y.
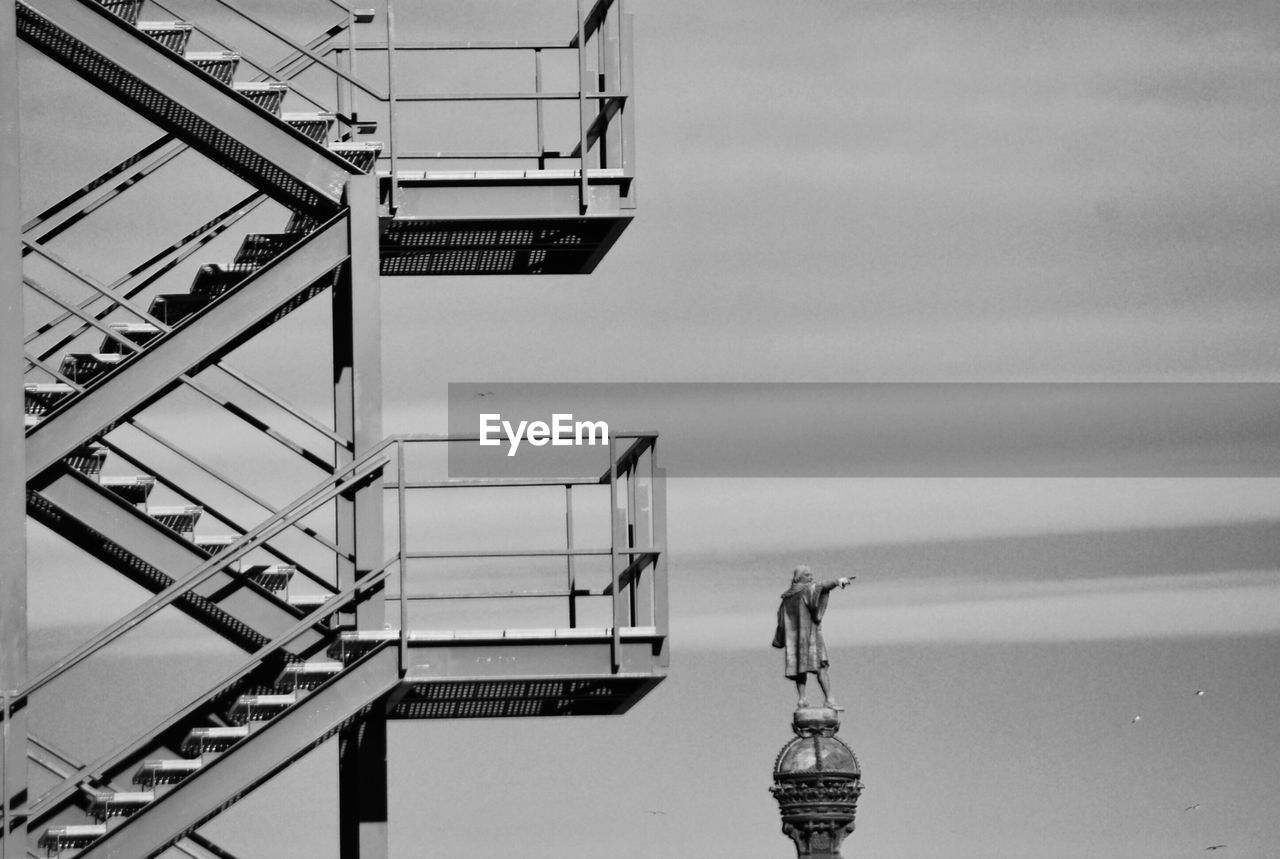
{"type": "Point", "coordinates": [1192, 807]}
{"type": "Point", "coordinates": [649, 811]}
{"type": "Point", "coordinates": [1199, 693]}
{"type": "Point", "coordinates": [1216, 847]}
{"type": "Point", "coordinates": [1135, 720]}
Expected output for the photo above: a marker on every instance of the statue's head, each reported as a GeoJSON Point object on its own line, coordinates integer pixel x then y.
{"type": "Point", "coordinates": [801, 575]}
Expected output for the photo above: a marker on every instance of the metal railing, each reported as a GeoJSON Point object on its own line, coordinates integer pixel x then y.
{"type": "Point", "coordinates": [603, 142]}
{"type": "Point", "coordinates": [636, 582]}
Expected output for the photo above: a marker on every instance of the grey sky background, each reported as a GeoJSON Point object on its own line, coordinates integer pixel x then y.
{"type": "Point", "coordinates": [846, 192]}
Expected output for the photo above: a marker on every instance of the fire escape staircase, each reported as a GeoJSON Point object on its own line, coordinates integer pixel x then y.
{"type": "Point", "coordinates": [304, 676]}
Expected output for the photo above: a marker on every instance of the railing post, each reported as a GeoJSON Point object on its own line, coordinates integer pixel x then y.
{"type": "Point", "coordinates": [13, 513]}
{"type": "Point", "coordinates": [537, 88]}
{"type": "Point", "coordinates": [394, 200]}
{"type": "Point", "coordinates": [402, 561]}
{"type": "Point", "coordinates": [616, 537]}
{"type": "Point", "coordinates": [658, 508]}
{"type": "Point", "coordinates": [584, 193]}
{"type": "Point", "coordinates": [568, 545]}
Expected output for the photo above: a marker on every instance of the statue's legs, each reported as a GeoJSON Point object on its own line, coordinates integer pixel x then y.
{"type": "Point", "coordinates": [800, 684]}
{"type": "Point", "coordinates": [825, 682]}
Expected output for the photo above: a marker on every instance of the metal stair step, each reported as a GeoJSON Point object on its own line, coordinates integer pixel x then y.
{"type": "Point", "coordinates": [268, 96]}
{"type": "Point", "coordinates": [301, 223]}
{"type": "Point", "coordinates": [42, 397]}
{"type": "Point", "coordinates": [212, 281]}
{"type": "Point", "coordinates": [352, 643]}
{"type": "Point", "coordinates": [273, 577]}
{"type": "Point", "coordinates": [249, 708]}
{"type": "Point", "coordinates": [173, 307]}
{"type": "Point", "coordinates": [156, 771]}
{"type": "Point", "coordinates": [132, 488]}
{"type": "Point", "coordinates": [259, 248]}
{"type": "Point", "coordinates": [135, 332]}
{"type": "Point", "coordinates": [174, 35]}
{"type": "Point", "coordinates": [362, 155]}
{"type": "Point", "coordinates": [215, 543]}
{"type": "Point", "coordinates": [126, 9]}
{"type": "Point", "coordinates": [308, 601]}
{"type": "Point", "coordinates": [110, 803]}
{"type": "Point", "coordinates": [201, 740]}
{"type": "Point", "coordinates": [88, 459]}
{"type": "Point", "coordinates": [307, 675]}
{"type": "Point", "coordinates": [181, 518]}
{"type": "Point", "coordinates": [56, 838]}
{"type": "Point", "coordinates": [82, 367]}
{"type": "Point", "coordinates": [314, 125]}
{"type": "Point", "coordinates": [217, 64]}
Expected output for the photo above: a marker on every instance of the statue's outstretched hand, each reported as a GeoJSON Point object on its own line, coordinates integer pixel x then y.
{"type": "Point", "coordinates": [845, 580]}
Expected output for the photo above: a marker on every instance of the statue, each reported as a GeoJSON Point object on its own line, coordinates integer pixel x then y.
{"type": "Point", "coordinates": [800, 632]}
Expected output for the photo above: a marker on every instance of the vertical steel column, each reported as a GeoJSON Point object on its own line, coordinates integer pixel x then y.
{"type": "Point", "coordinates": [13, 515]}
{"type": "Point", "coordinates": [357, 352]}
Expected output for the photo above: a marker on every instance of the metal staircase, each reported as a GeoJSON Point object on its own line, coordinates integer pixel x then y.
{"type": "Point", "coordinates": [339, 634]}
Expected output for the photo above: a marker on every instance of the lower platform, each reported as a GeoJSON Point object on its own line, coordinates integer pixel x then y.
{"type": "Point", "coordinates": [519, 672]}
{"type": "Point", "coordinates": [437, 246]}
{"type": "Point", "coordinates": [497, 697]}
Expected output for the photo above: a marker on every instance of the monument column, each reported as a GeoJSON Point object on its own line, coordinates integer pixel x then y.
{"type": "Point", "coordinates": [817, 782]}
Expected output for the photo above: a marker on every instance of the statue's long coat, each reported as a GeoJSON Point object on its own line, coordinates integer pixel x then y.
{"type": "Point", "coordinates": [800, 628]}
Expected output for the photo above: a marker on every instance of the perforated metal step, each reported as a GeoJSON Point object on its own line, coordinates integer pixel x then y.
{"type": "Point", "coordinates": [157, 771]}
{"type": "Point", "coordinates": [42, 397]}
{"type": "Point", "coordinates": [135, 332]}
{"type": "Point", "coordinates": [103, 804]}
{"type": "Point", "coordinates": [307, 602]}
{"type": "Point", "coordinates": [201, 741]}
{"type": "Point", "coordinates": [300, 222]}
{"type": "Point", "coordinates": [126, 9]}
{"type": "Point", "coordinates": [134, 488]}
{"type": "Point", "coordinates": [220, 65]}
{"type": "Point", "coordinates": [314, 125]}
{"type": "Point", "coordinates": [260, 248]}
{"type": "Point", "coordinates": [273, 577]}
{"type": "Point", "coordinates": [84, 367]}
{"type": "Point", "coordinates": [55, 839]}
{"type": "Point", "coordinates": [306, 675]}
{"type": "Point", "coordinates": [363, 155]}
{"type": "Point", "coordinates": [249, 708]}
{"type": "Point", "coordinates": [268, 96]}
{"type": "Point", "coordinates": [215, 544]}
{"type": "Point", "coordinates": [214, 280]}
{"type": "Point", "coordinates": [88, 459]}
{"type": "Point", "coordinates": [180, 518]}
{"type": "Point", "coordinates": [174, 35]}
{"type": "Point", "coordinates": [173, 307]}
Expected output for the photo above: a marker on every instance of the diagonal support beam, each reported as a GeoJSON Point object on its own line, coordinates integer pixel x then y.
{"type": "Point", "coordinates": [154, 556]}
{"type": "Point", "coordinates": [205, 114]}
{"type": "Point", "coordinates": [246, 766]}
{"type": "Point", "coordinates": [222, 326]}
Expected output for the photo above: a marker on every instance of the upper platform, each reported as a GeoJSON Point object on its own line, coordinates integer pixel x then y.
{"type": "Point", "coordinates": [494, 156]}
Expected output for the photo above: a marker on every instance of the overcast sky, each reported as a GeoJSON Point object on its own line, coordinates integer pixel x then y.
{"type": "Point", "coordinates": [961, 191]}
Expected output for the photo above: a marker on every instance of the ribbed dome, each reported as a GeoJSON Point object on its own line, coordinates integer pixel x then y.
{"type": "Point", "coordinates": [816, 754]}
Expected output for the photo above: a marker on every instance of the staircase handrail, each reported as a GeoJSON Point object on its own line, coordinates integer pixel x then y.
{"type": "Point", "coordinates": [97, 769]}
{"type": "Point", "coordinates": [304, 505]}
